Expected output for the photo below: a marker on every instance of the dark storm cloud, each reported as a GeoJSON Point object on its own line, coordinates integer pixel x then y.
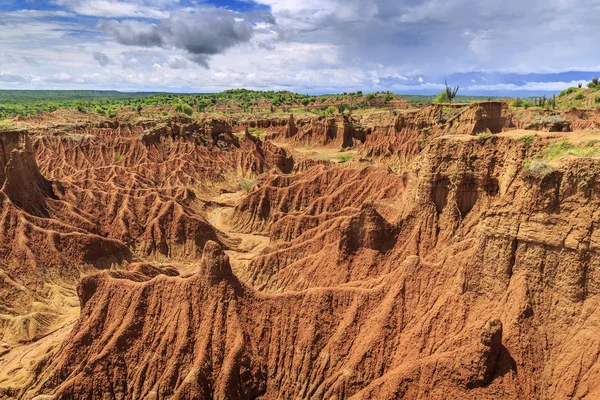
{"type": "Point", "coordinates": [202, 34]}
{"type": "Point", "coordinates": [102, 58]}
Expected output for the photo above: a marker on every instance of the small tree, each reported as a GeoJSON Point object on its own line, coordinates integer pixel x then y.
{"type": "Point", "coordinates": [451, 91]}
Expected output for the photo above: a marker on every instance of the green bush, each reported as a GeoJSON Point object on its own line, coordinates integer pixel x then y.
{"type": "Point", "coordinates": [580, 96]}
{"type": "Point", "coordinates": [518, 102]}
{"type": "Point", "coordinates": [528, 139]}
{"type": "Point", "coordinates": [568, 91]}
{"type": "Point", "coordinates": [442, 97]}
{"type": "Point", "coordinates": [330, 110]}
{"type": "Point", "coordinates": [184, 108]}
{"type": "Point", "coordinates": [117, 157]}
{"type": "Point", "coordinates": [370, 97]}
{"type": "Point", "coordinates": [343, 158]}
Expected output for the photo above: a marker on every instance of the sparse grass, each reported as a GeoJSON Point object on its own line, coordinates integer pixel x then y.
{"type": "Point", "coordinates": [564, 148]}
{"type": "Point", "coordinates": [527, 139]}
{"type": "Point", "coordinates": [240, 135]}
{"type": "Point", "coordinates": [117, 157]}
{"type": "Point", "coordinates": [537, 168]}
{"type": "Point", "coordinates": [259, 133]}
{"type": "Point", "coordinates": [484, 136]}
{"type": "Point", "coordinates": [343, 158]}
{"type": "Point", "coordinates": [246, 185]}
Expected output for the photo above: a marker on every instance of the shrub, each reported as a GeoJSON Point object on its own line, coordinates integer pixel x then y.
{"type": "Point", "coordinates": [246, 185]}
{"type": "Point", "coordinates": [388, 97]}
{"type": "Point", "coordinates": [580, 96]}
{"type": "Point", "coordinates": [184, 108]}
{"type": "Point", "coordinates": [330, 110]}
{"type": "Point", "coordinates": [518, 102]}
{"type": "Point", "coordinates": [370, 97]}
{"type": "Point", "coordinates": [442, 97]}
{"type": "Point", "coordinates": [343, 158]}
{"type": "Point", "coordinates": [528, 140]}
{"type": "Point", "coordinates": [568, 91]}
{"type": "Point", "coordinates": [117, 157]}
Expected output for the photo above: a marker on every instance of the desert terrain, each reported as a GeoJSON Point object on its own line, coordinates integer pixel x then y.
{"type": "Point", "coordinates": [389, 250]}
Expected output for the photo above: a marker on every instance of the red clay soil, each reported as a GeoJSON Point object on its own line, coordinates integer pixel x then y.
{"type": "Point", "coordinates": [465, 274]}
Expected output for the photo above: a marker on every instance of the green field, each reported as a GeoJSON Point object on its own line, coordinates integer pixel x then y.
{"type": "Point", "coordinates": [15, 103]}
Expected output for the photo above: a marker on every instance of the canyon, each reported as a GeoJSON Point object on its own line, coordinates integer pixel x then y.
{"type": "Point", "coordinates": [428, 253]}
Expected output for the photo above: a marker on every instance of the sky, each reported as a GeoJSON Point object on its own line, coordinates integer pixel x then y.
{"type": "Point", "coordinates": [487, 47]}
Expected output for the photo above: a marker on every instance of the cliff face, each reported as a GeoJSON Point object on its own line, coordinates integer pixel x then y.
{"type": "Point", "coordinates": [468, 276]}
{"type": "Point", "coordinates": [410, 132]}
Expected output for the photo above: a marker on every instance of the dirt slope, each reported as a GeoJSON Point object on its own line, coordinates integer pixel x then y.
{"type": "Point", "coordinates": [460, 273]}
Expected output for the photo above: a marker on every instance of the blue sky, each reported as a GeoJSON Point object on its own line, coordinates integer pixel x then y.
{"type": "Point", "coordinates": [487, 47]}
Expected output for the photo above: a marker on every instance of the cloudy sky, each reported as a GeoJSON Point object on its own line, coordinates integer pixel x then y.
{"type": "Point", "coordinates": [310, 46]}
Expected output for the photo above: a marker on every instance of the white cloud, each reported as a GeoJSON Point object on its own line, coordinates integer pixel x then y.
{"type": "Point", "coordinates": [114, 8]}
{"type": "Point", "coordinates": [307, 46]}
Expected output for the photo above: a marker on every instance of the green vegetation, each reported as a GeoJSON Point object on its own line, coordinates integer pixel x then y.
{"type": "Point", "coordinates": [117, 157]}
{"type": "Point", "coordinates": [568, 91]}
{"type": "Point", "coordinates": [564, 148]}
{"type": "Point", "coordinates": [259, 133]}
{"type": "Point", "coordinates": [527, 139]}
{"type": "Point", "coordinates": [14, 103]}
{"type": "Point", "coordinates": [246, 185]}
{"type": "Point", "coordinates": [184, 108]}
{"type": "Point", "coordinates": [518, 102]}
{"type": "Point", "coordinates": [484, 136]}
{"type": "Point", "coordinates": [442, 97]}
{"type": "Point", "coordinates": [579, 96]}
{"type": "Point", "coordinates": [343, 158]}
{"type": "Point", "coordinates": [330, 110]}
